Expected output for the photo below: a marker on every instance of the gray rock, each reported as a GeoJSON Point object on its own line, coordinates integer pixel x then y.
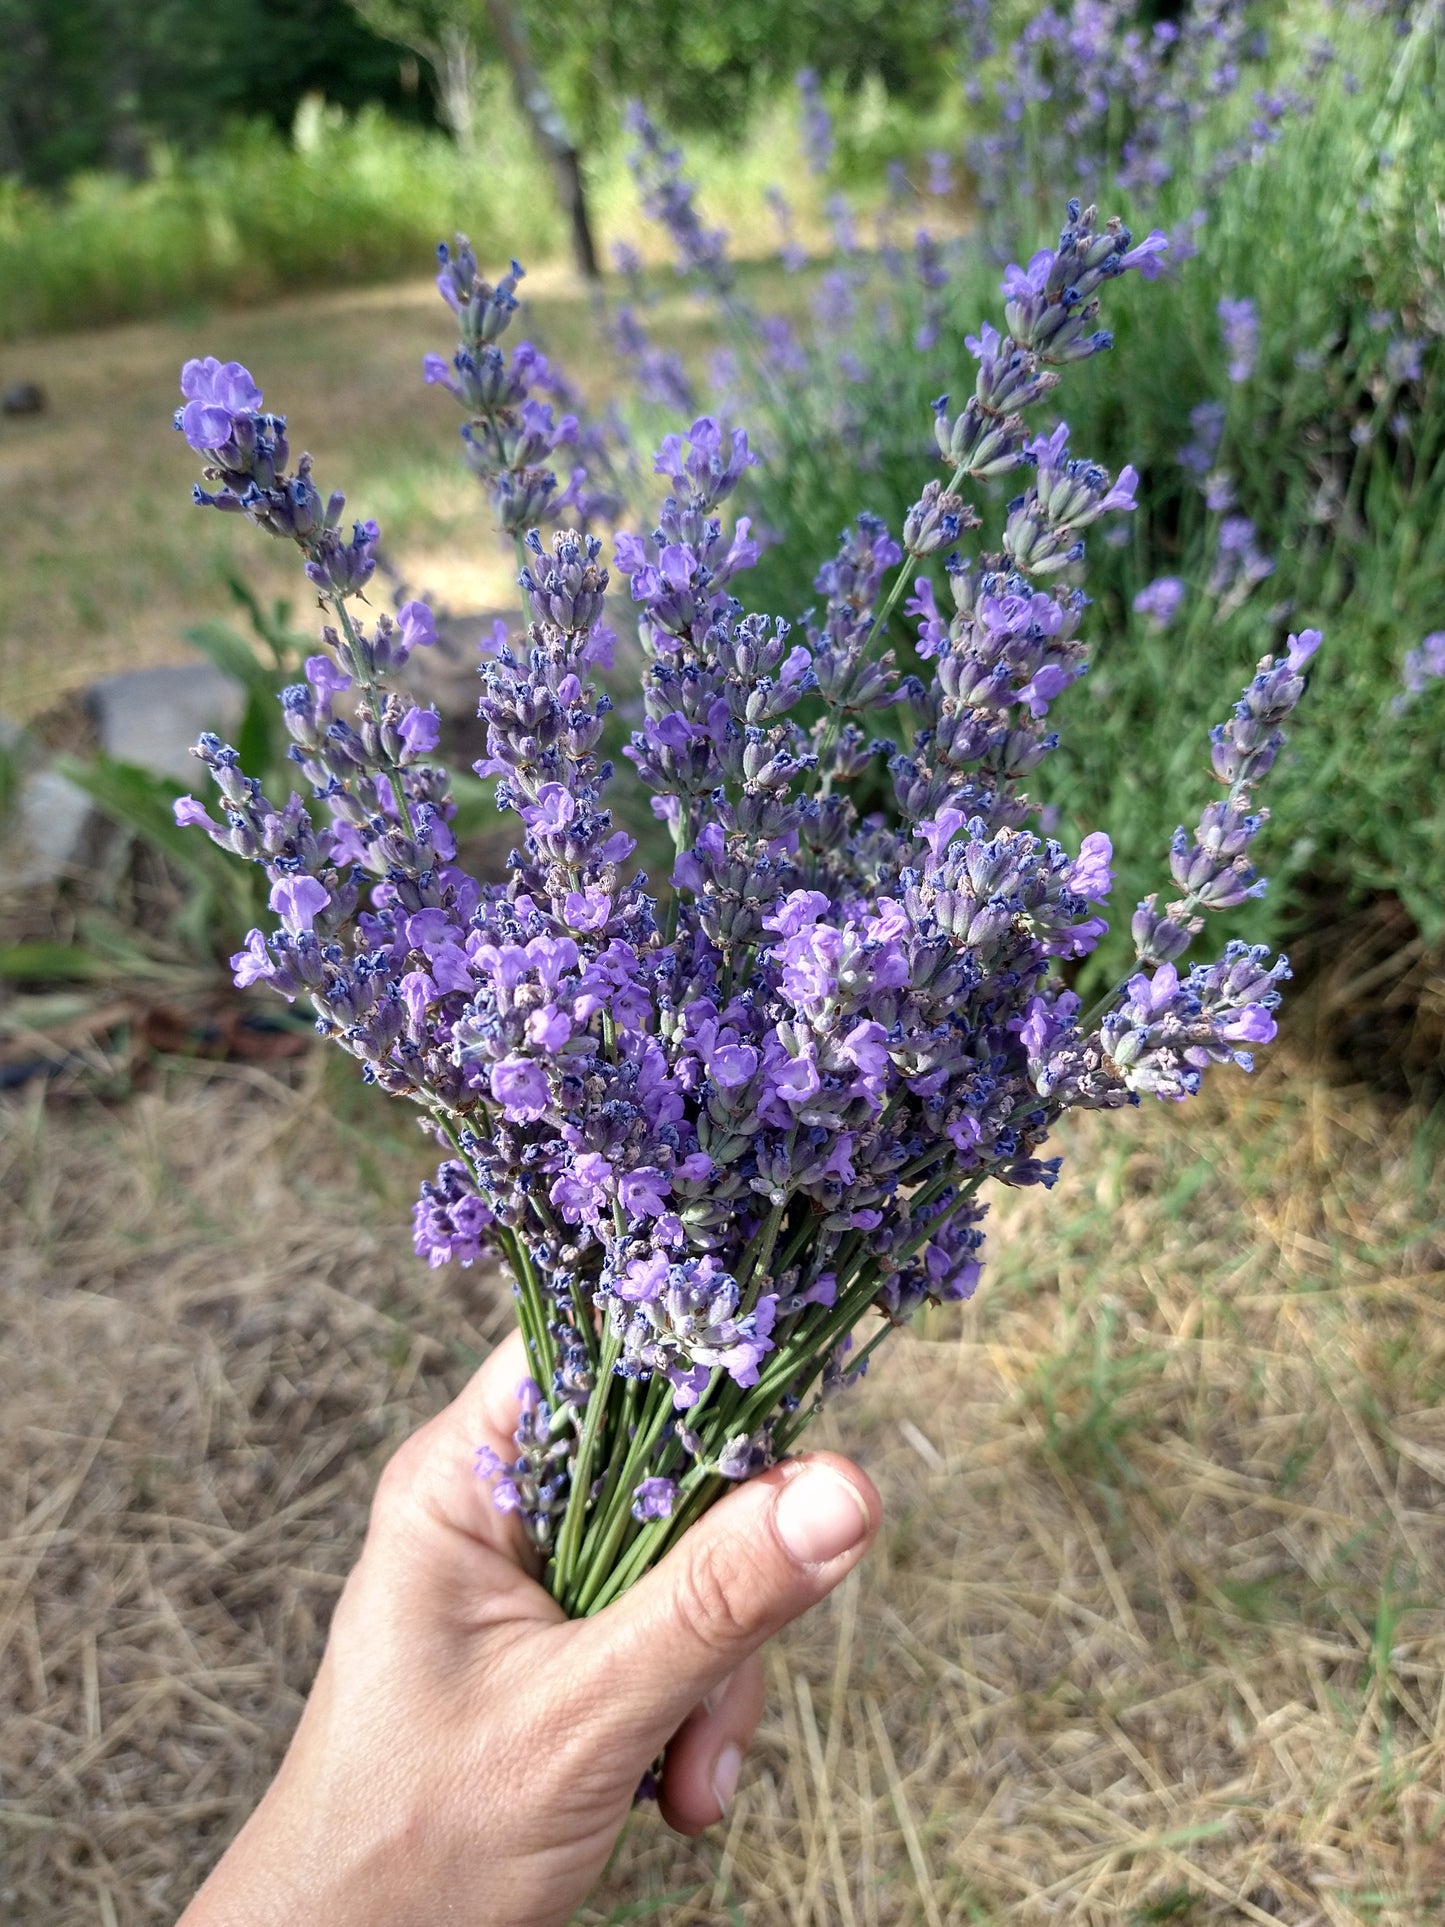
{"type": "Point", "coordinates": [151, 717]}
{"type": "Point", "coordinates": [23, 398]}
{"type": "Point", "coordinates": [47, 834]}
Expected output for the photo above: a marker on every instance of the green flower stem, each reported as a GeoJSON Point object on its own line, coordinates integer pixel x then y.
{"type": "Point", "coordinates": [622, 1426]}
{"type": "Point", "coordinates": [520, 549]}
{"type": "Point", "coordinates": [564, 1558]}
{"type": "Point", "coordinates": [799, 1238]}
{"type": "Point", "coordinates": [907, 569]}
{"type": "Point", "coordinates": [658, 1536]}
{"type": "Point", "coordinates": [760, 1250]}
{"type": "Point", "coordinates": [373, 703]}
{"type": "Point", "coordinates": [796, 1366]}
{"type": "Point", "coordinates": [609, 1532]}
{"type": "Point", "coordinates": [585, 1326]}
{"type": "Point", "coordinates": [529, 1311]}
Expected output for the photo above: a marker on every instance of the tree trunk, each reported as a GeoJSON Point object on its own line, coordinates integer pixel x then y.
{"type": "Point", "coordinates": [549, 130]}
{"type": "Point", "coordinates": [456, 72]}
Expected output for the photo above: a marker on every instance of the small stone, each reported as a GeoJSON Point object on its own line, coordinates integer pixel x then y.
{"type": "Point", "coordinates": [23, 398]}
{"type": "Point", "coordinates": [48, 830]}
{"type": "Point", "coordinates": [151, 717]}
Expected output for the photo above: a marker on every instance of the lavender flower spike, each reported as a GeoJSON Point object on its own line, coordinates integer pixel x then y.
{"type": "Point", "coordinates": [1241, 336]}
{"type": "Point", "coordinates": [717, 1134]}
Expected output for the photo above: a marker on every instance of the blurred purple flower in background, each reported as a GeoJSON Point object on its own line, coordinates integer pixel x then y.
{"type": "Point", "coordinates": [1421, 667]}
{"type": "Point", "coordinates": [817, 124]}
{"type": "Point", "coordinates": [1240, 324]}
{"type": "Point", "coordinates": [1160, 601]}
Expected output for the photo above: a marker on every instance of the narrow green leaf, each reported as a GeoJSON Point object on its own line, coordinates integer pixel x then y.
{"type": "Point", "coordinates": [258, 738]}
{"type": "Point", "coordinates": [37, 963]}
{"type": "Point", "coordinates": [232, 655]}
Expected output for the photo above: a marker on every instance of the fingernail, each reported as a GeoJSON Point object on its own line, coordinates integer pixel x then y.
{"type": "Point", "coordinates": [713, 1700]}
{"type": "Point", "coordinates": [725, 1777]}
{"type": "Point", "coordinates": [820, 1515]}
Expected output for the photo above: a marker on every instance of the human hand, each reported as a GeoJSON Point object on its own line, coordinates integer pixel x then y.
{"type": "Point", "coordinates": [468, 1755]}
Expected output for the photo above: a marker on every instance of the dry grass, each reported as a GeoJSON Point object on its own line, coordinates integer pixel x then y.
{"type": "Point", "coordinates": [107, 562]}
{"type": "Point", "coordinates": [1155, 1632]}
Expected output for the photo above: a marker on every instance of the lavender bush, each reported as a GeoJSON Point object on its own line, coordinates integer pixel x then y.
{"type": "Point", "coordinates": [1279, 391]}
{"type": "Point", "coordinates": [726, 1137]}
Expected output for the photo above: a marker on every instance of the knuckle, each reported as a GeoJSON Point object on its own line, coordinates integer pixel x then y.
{"type": "Point", "coordinates": [712, 1597]}
{"type": "Point", "coordinates": [400, 1480]}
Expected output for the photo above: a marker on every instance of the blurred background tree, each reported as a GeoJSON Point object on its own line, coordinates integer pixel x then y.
{"type": "Point", "coordinates": [93, 83]}
{"type": "Point", "coordinates": [454, 38]}
{"type": "Point", "coordinates": [708, 68]}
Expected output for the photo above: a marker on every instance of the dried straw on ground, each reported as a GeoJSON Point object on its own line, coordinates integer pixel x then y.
{"type": "Point", "coordinates": [1155, 1632]}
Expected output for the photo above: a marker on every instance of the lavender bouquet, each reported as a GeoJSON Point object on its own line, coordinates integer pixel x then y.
{"type": "Point", "coordinates": [727, 1138]}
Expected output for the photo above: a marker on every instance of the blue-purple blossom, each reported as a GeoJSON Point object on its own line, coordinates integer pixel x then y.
{"type": "Point", "coordinates": [1239, 562]}
{"type": "Point", "coordinates": [1424, 665]}
{"type": "Point", "coordinates": [217, 394]}
{"type": "Point", "coordinates": [715, 1133]}
{"type": "Point", "coordinates": [420, 731]}
{"type": "Point", "coordinates": [817, 123]}
{"type": "Point", "coordinates": [1206, 419]}
{"type": "Point", "coordinates": [298, 901]}
{"type": "Point", "coordinates": [669, 198]}
{"type": "Point", "coordinates": [1239, 324]}
{"type": "Point", "coordinates": [514, 441]}
{"type": "Point", "coordinates": [654, 1499]}
{"type": "Point", "coordinates": [1160, 601]}
{"type": "Point", "coordinates": [1404, 360]}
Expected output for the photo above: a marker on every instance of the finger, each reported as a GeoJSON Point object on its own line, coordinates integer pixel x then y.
{"type": "Point", "coordinates": [432, 1480]}
{"type": "Point", "coordinates": [705, 1755]}
{"type": "Point", "coordinates": [488, 1406]}
{"type": "Point", "coordinates": [756, 1560]}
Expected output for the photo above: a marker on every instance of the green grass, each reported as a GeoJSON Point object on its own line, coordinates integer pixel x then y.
{"type": "Point", "coordinates": [346, 201]}
{"type": "Point", "coordinates": [342, 203]}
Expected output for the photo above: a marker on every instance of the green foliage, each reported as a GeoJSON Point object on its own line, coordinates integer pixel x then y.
{"type": "Point", "coordinates": [221, 899]}
{"type": "Point", "coordinates": [90, 83]}
{"type": "Point", "coordinates": [710, 68]}
{"type": "Point", "coordinates": [347, 200]}
{"type": "Point", "coordinates": [1342, 471]}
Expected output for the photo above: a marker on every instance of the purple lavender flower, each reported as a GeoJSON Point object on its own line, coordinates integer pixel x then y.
{"type": "Point", "coordinates": [1404, 360]}
{"type": "Point", "coordinates": [1207, 421]}
{"type": "Point", "coordinates": [298, 901]}
{"type": "Point", "coordinates": [1239, 562]}
{"type": "Point", "coordinates": [1160, 601]}
{"type": "Point", "coordinates": [710, 1136]}
{"type": "Point", "coordinates": [817, 123]}
{"type": "Point", "coordinates": [217, 395]}
{"type": "Point", "coordinates": [450, 1223]}
{"type": "Point", "coordinates": [512, 435]}
{"type": "Point", "coordinates": [1423, 665]}
{"type": "Point", "coordinates": [669, 198]}
{"type": "Point", "coordinates": [1240, 325]}
{"type": "Point", "coordinates": [654, 1499]}
{"type": "Point", "coordinates": [420, 731]}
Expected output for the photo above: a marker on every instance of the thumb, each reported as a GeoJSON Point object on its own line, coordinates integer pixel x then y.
{"type": "Point", "coordinates": [753, 1562]}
